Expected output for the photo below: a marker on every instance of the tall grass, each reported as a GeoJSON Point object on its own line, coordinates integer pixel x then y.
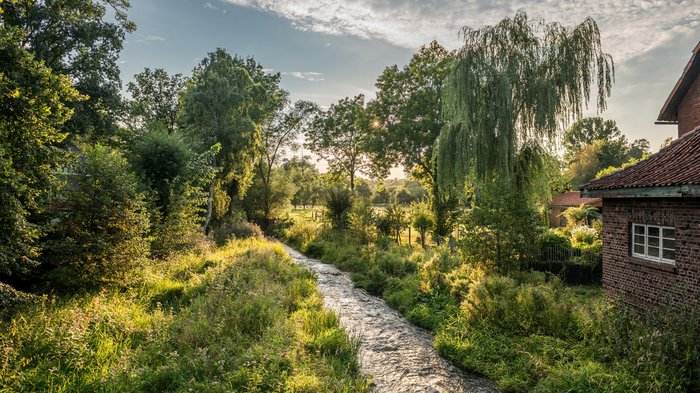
{"type": "Point", "coordinates": [238, 318]}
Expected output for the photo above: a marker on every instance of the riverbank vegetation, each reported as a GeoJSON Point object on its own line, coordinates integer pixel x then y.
{"type": "Point", "coordinates": [526, 330]}
{"type": "Point", "coordinates": [241, 317]}
{"type": "Point", "coordinates": [110, 207]}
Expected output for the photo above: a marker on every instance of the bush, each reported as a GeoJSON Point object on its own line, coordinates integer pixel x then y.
{"type": "Point", "coordinates": [521, 309]}
{"type": "Point", "coordinates": [236, 229]}
{"type": "Point", "coordinates": [300, 233]}
{"type": "Point", "coordinates": [361, 220]}
{"type": "Point", "coordinates": [337, 202]}
{"type": "Point", "coordinates": [101, 235]}
{"type": "Point", "coordinates": [583, 236]}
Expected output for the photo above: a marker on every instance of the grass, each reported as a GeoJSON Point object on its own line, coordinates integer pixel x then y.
{"type": "Point", "coordinates": [237, 318]}
{"type": "Point", "coordinates": [527, 332]}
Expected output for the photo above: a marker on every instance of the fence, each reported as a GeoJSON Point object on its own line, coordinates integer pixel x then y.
{"type": "Point", "coordinates": [573, 266]}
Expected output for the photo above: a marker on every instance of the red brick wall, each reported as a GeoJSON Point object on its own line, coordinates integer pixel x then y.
{"type": "Point", "coordinates": [642, 283]}
{"type": "Point", "coordinates": [689, 109]}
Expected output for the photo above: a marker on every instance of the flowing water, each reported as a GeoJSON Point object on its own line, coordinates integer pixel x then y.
{"type": "Point", "coordinates": [396, 354]}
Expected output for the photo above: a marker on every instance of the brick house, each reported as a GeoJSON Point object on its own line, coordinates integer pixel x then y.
{"type": "Point", "coordinates": [651, 219]}
{"type": "Point", "coordinates": [561, 202]}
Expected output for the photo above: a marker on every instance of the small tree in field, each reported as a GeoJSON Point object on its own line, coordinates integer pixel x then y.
{"type": "Point", "coordinates": [423, 219]}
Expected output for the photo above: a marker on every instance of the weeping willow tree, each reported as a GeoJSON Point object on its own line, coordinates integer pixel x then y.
{"type": "Point", "coordinates": [513, 89]}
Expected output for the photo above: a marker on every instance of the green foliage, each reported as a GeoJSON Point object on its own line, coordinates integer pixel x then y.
{"type": "Point", "coordinates": [500, 229]}
{"type": "Point", "coordinates": [612, 169]}
{"type": "Point", "coordinates": [394, 220]}
{"type": "Point", "coordinates": [512, 86]}
{"type": "Point", "coordinates": [423, 219]}
{"type": "Point", "coordinates": [338, 202]}
{"type": "Point", "coordinates": [34, 105]}
{"type": "Point", "coordinates": [307, 179]}
{"type": "Point", "coordinates": [408, 110]}
{"type": "Point", "coordinates": [341, 136]}
{"type": "Point", "coordinates": [580, 215]}
{"type": "Point", "coordinates": [158, 158]}
{"type": "Point", "coordinates": [82, 40]}
{"type": "Point", "coordinates": [227, 100]}
{"type": "Point", "coordinates": [240, 318]}
{"type": "Point", "coordinates": [593, 144]}
{"type": "Point", "coordinates": [361, 220]}
{"type": "Point", "coordinates": [100, 237]}
{"type": "Point", "coordinates": [236, 229]}
{"type": "Point", "coordinates": [265, 202]}
{"type": "Point", "coordinates": [155, 97]}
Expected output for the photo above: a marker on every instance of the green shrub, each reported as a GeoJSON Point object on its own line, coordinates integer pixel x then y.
{"type": "Point", "coordinates": [361, 220]}
{"type": "Point", "coordinates": [337, 203]}
{"type": "Point", "coordinates": [521, 309]}
{"type": "Point", "coordinates": [434, 272]}
{"type": "Point", "coordinates": [101, 237]}
{"type": "Point", "coordinates": [301, 232]}
{"type": "Point", "coordinates": [236, 229]}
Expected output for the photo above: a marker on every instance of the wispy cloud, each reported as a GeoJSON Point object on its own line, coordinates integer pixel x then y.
{"type": "Point", "coordinates": [308, 75]}
{"type": "Point", "coordinates": [150, 38]}
{"type": "Point", "coordinates": [211, 6]}
{"type": "Point", "coordinates": [629, 27]}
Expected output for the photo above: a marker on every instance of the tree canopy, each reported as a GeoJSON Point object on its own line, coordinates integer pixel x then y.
{"type": "Point", "coordinates": [81, 39]}
{"type": "Point", "coordinates": [155, 97]}
{"type": "Point", "coordinates": [34, 104]}
{"type": "Point", "coordinates": [511, 88]}
{"type": "Point", "coordinates": [341, 135]}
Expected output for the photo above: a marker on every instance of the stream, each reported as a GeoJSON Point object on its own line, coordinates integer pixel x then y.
{"type": "Point", "coordinates": [397, 355]}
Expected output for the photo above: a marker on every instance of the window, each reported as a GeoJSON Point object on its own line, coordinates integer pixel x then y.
{"type": "Point", "coordinates": [654, 242]}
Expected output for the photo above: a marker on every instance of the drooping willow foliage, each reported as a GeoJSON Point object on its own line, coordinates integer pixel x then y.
{"type": "Point", "coordinates": [513, 89]}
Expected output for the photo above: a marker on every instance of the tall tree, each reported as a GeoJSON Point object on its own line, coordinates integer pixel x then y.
{"type": "Point", "coordinates": [78, 38]}
{"type": "Point", "coordinates": [34, 105]}
{"type": "Point", "coordinates": [511, 88]}
{"type": "Point", "coordinates": [279, 134]}
{"type": "Point", "coordinates": [155, 97]}
{"type": "Point", "coordinates": [342, 135]}
{"type": "Point", "coordinates": [592, 144]}
{"type": "Point", "coordinates": [227, 101]}
{"type": "Point", "coordinates": [408, 115]}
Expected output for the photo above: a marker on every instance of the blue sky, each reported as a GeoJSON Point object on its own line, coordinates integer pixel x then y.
{"type": "Point", "coordinates": [327, 50]}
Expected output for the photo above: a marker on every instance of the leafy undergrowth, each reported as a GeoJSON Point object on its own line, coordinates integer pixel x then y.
{"type": "Point", "coordinates": [527, 331]}
{"type": "Point", "coordinates": [238, 318]}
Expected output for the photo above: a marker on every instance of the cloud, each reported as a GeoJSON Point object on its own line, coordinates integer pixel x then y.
{"type": "Point", "coordinates": [308, 75]}
{"type": "Point", "coordinates": [628, 27]}
{"type": "Point", "coordinates": [211, 6]}
{"type": "Point", "coordinates": [150, 38]}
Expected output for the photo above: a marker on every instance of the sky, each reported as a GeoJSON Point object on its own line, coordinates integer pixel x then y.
{"type": "Point", "coordinates": [327, 50]}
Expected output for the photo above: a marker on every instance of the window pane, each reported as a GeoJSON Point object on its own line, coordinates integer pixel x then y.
{"type": "Point", "coordinates": [653, 241]}
{"type": "Point", "coordinates": [639, 239]}
{"type": "Point", "coordinates": [669, 254]}
{"type": "Point", "coordinates": [639, 249]}
{"type": "Point", "coordinates": [638, 229]}
{"type": "Point", "coordinates": [653, 252]}
{"type": "Point", "coordinates": [670, 244]}
{"type": "Point", "coordinates": [669, 232]}
{"type": "Point", "coordinates": [653, 231]}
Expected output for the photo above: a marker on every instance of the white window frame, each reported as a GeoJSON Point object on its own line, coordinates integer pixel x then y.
{"type": "Point", "coordinates": [661, 247]}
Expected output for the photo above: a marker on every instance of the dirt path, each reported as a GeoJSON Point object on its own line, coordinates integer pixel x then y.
{"type": "Point", "coordinates": [396, 354]}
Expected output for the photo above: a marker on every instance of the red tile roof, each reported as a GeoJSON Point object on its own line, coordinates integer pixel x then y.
{"type": "Point", "coordinates": [573, 198]}
{"type": "Point", "coordinates": [669, 112]}
{"type": "Point", "coordinates": [676, 164]}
